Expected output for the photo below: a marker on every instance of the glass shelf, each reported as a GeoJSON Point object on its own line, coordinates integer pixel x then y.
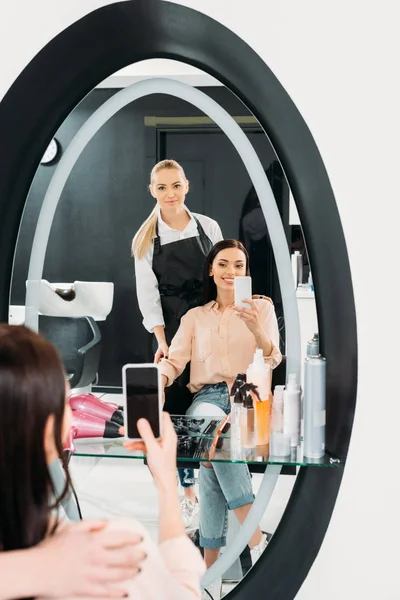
{"type": "Point", "coordinates": [204, 439]}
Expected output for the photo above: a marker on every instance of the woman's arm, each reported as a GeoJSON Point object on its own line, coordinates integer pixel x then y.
{"type": "Point", "coordinates": [174, 573]}
{"type": "Point", "coordinates": [262, 322]}
{"type": "Point", "coordinates": [180, 351]}
{"type": "Point", "coordinates": [148, 296]}
{"type": "Point", "coordinates": [12, 566]}
{"type": "Point", "coordinates": [82, 559]}
{"type": "Point", "coordinates": [216, 235]}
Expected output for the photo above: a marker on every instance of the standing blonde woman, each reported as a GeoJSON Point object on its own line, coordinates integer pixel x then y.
{"type": "Point", "coordinates": [170, 250]}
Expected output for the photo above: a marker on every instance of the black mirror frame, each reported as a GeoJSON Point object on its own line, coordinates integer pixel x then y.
{"type": "Point", "coordinates": [100, 44]}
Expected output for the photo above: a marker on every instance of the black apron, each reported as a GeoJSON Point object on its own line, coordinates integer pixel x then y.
{"type": "Point", "coordinates": [178, 267]}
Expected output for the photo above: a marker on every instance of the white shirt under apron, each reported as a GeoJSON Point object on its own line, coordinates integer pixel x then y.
{"type": "Point", "coordinates": [146, 281]}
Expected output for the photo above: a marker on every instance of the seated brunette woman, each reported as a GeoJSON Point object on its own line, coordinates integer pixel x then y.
{"type": "Point", "coordinates": [220, 340]}
{"type": "Point", "coordinates": [106, 560]}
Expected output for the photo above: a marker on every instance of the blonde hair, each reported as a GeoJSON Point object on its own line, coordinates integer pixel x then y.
{"type": "Point", "coordinates": [144, 237]}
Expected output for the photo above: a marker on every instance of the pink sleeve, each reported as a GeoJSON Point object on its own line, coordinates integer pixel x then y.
{"type": "Point", "coordinates": [185, 563]}
{"type": "Point", "coordinates": [171, 571]}
{"type": "Point", "coordinates": [269, 324]}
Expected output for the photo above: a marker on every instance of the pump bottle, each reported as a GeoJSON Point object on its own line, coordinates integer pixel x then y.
{"type": "Point", "coordinates": [259, 374]}
{"type": "Point", "coordinates": [236, 416]}
{"type": "Point", "coordinates": [248, 427]}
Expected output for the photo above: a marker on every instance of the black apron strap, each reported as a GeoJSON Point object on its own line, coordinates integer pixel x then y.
{"type": "Point", "coordinates": [156, 242]}
{"type": "Point", "coordinates": [204, 241]}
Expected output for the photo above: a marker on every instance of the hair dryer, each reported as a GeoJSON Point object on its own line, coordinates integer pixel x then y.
{"type": "Point", "coordinates": [69, 447]}
{"type": "Point", "coordinates": [88, 426]}
{"type": "Point", "coordinates": [91, 405]}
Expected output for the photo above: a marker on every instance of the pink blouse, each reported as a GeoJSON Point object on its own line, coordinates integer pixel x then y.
{"type": "Point", "coordinates": [172, 569]}
{"type": "Point", "coordinates": [219, 345]}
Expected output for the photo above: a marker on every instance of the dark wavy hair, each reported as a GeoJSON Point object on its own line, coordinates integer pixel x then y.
{"type": "Point", "coordinates": [32, 387]}
{"type": "Point", "coordinates": [209, 287]}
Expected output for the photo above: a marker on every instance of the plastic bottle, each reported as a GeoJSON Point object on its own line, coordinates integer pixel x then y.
{"type": "Point", "coordinates": [314, 404]}
{"type": "Point", "coordinates": [248, 426]}
{"type": "Point", "coordinates": [310, 282]}
{"type": "Point", "coordinates": [236, 417]}
{"type": "Point", "coordinates": [259, 374]}
{"type": "Point", "coordinates": [297, 268]}
{"type": "Point", "coordinates": [277, 409]}
{"type": "Point", "coordinates": [237, 384]}
{"type": "Point", "coordinates": [291, 410]}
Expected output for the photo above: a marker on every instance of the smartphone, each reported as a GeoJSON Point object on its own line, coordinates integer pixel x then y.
{"type": "Point", "coordinates": [142, 398]}
{"type": "Point", "coordinates": [242, 288]}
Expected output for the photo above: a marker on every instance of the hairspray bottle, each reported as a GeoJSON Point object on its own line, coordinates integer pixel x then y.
{"type": "Point", "coordinates": [314, 405]}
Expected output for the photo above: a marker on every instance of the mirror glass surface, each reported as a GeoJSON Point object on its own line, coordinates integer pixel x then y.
{"type": "Point", "coordinates": [104, 202]}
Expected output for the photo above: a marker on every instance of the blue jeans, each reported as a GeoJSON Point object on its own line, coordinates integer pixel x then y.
{"type": "Point", "coordinates": [223, 486]}
{"type": "Point", "coordinates": [186, 477]}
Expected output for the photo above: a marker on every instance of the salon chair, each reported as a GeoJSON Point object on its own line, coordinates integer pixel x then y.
{"type": "Point", "coordinates": [78, 341]}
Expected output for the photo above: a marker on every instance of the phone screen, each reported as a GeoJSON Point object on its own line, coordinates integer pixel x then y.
{"type": "Point", "coordinates": [142, 399]}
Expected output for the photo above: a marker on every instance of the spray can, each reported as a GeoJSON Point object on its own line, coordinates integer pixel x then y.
{"type": "Point", "coordinates": [313, 346]}
{"type": "Point", "coordinates": [314, 405]}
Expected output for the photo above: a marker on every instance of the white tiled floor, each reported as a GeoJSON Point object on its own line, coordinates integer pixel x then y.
{"type": "Point", "coordinates": [122, 487]}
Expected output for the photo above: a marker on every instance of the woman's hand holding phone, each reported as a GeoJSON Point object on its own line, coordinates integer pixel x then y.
{"type": "Point", "coordinates": [160, 454]}
{"type": "Point", "coordinates": [249, 316]}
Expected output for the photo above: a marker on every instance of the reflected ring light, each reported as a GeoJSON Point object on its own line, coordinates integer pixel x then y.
{"type": "Point", "coordinates": [267, 201]}
{"type": "Point", "coordinates": [250, 160]}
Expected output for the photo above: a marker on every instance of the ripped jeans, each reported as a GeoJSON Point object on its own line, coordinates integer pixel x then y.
{"type": "Point", "coordinates": [222, 486]}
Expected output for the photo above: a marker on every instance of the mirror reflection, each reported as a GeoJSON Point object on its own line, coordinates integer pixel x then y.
{"type": "Point", "coordinates": [162, 182]}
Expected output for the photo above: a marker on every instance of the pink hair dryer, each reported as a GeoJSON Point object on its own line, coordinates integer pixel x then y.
{"type": "Point", "coordinates": [88, 426]}
{"type": "Point", "coordinates": [114, 405]}
{"type": "Point", "coordinates": [69, 447]}
{"type": "Point", "coordinates": [91, 405]}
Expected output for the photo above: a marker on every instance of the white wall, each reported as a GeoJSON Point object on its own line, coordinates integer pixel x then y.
{"type": "Point", "coordinates": [339, 62]}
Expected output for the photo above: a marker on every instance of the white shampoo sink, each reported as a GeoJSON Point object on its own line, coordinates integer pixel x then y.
{"type": "Point", "coordinates": [79, 299]}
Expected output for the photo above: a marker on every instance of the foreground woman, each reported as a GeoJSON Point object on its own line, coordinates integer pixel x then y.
{"type": "Point", "coordinates": [34, 423]}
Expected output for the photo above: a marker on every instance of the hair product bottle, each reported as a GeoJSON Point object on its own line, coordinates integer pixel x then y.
{"type": "Point", "coordinates": [237, 384]}
{"type": "Point", "coordinates": [314, 404]}
{"type": "Point", "coordinates": [236, 416]}
{"type": "Point", "coordinates": [259, 374]}
{"type": "Point", "coordinates": [277, 409]}
{"type": "Point", "coordinates": [291, 410]}
{"type": "Point", "coordinates": [248, 426]}
{"type": "Point", "coordinates": [313, 346]}
{"type": "Point", "coordinates": [297, 268]}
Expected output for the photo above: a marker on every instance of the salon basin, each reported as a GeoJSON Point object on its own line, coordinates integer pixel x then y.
{"type": "Point", "coordinates": [78, 299]}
